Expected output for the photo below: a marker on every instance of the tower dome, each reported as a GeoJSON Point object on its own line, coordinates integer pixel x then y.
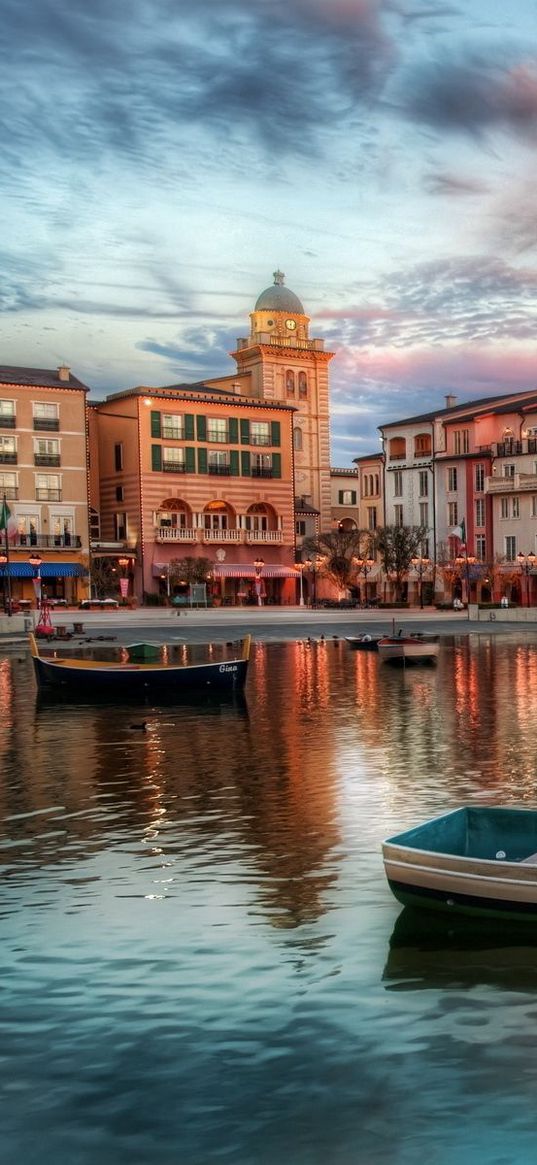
{"type": "Point", "coordinates": [279, 298]}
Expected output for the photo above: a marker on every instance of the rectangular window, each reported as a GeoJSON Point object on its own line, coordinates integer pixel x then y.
{"type": "Point", "coordinates": [480, 512]}
{"type": "Point", "coordinates": [173, 459]}
{"type": "Point", "coordinates": [424, 483]}
{"type": "Point", "coordinates": [118, 456]}
{"type": "Point", "coordinates": [516, 507]}
{"type": "Point", "coordinates": [120, 527]}
{"type": "Point", "coordinates": [398, 516]}
{"type": "Point", "coordinates": [480, 547]}
{"type": "Point", "coordinates": [509, 471]}
{"type": "Point", "coordinates": [261, 465]}
{"type": "Point", "coordinates": [62, 530]}
{"type": "Point", "coordinates": [479, 478]}
{"type": "Point", "coordinates": [217, 430]}
{"type": "Point", "coordinates": [218, 462]}
{"type": "Point", "coordinates": [7, 414]}
{"type": "Point", "coordinates": [8, 450]}
{"type": "Point", "coordinates": [8, 486]}
{"type": "Point", "coordinates": [398, 484]}
{"type": "Point", "coordinates": [120, 493]}
{"type": "Point", "coordinates": [46, 416]}
{"type": "Point", "coordinates": [424, 514]}
{"type": "Point", "coordinates": [48, 487]}
{"type": "Point", "coordinates": [453, 514]}
{"type": "Point", "coordinates": [372, 517]}
{"type": "Point", "coordinates": [461, 441]}
{"type": "Point", "coordinates": [27, 527]}
{"type": "Point", "coordinates": [260, 433]}
{"type": "Point", "coordinates": [347, 497]}
{"type": "Point", "coordinates": [534, 505]}
{"type": "Point", "coordinates": [173, 427]}
{"type": "Point", "coordinates": [46, 452]}
{"type": "Point", "coordinates": [300, 528]}
{"type": "Point", "coordinates": [452, 479]}
{"type": "Point", "coordinates": [504, 507]}
{"type": "Point", "coordinates": [510, 548]}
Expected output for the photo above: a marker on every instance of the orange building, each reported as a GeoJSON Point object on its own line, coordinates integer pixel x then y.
{"type": "Point", "coordinates": [195, 471]}
{"type": "Point", "coordinates": [43, 477]}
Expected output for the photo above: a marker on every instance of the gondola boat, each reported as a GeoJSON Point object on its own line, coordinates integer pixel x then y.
{"type": "Point", "coordinates": [403, 649]}
{"type": "Point", "coordinates": [138, 676]}
{"type": "Point", "coordinates": [470, 861]}
{"type": "Point", "coordinates": [363, 642]}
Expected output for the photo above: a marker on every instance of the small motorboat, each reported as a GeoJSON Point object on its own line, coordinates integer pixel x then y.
{"type": "Point", "coordinates": [403, 649]}
{"type": "Point", "coordinates": [363, 642]}
{"type": "Point", "coordinates": [140, 672]}
{"type": "Point", "coordinates": [472, 861]}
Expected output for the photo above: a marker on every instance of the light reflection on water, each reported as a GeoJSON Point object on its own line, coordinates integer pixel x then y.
{"type": "Point", "coordinates": [202, 960]}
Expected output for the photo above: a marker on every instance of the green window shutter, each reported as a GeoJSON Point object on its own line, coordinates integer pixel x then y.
{"type": "Point", "coordinates": [276, 465]}
{"type": "Point", "coordinates": [234, 462]}
{"type": "Point", "coordinates": [190, 459]}
{"type": "Point", "coordinates": [189, 427]}
{"type": "Point", "coordinates": [155, 424]}
{"type": "Point", "coordinates": [202, 461]}
{"type": "Point", "coordinates": [245, 432]}
{"type": "Point", "coordinates": [201, 428]}
{"type": "Point", "coordinates": [156, 455]}
{"type": "Point", "coordinates": [353, 497]}
{"type": "Point", "coordinates": [340, 497]}
{"type": "Point", "coordinates": [275, 426]}
{"type": "Point", "coordinates": [246, 469]}
{"type": "Point", "coordinates": [233, 427]}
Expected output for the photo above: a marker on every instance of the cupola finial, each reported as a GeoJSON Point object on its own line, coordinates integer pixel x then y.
{"type": "Point", "coordinates": [279, 278]}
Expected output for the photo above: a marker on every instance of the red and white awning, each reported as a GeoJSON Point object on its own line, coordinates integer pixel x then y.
{"type": "Point", "coordinates": [235, 570]}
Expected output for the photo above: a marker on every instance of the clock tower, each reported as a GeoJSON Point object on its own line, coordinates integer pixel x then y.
{"type": "Point", "coordinates": [286, 365]}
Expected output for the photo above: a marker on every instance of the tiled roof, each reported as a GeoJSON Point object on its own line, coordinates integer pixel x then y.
{"type": "Point", "coordinates": [504, 403]}
{"type": "Point", "coordinates": [38, 378]}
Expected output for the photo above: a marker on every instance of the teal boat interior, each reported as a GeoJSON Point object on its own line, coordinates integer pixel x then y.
{"type": "Point", "coordinates": [490, 834]}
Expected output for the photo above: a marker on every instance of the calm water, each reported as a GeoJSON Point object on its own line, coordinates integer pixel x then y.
{"type": "Point", "coordinates": [202, 961]}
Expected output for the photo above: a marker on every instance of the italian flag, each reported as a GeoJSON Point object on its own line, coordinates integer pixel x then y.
{"type": "Point", "coordinates": [5, 514]}
{"type": "Point", "coordinates": [460, 532]}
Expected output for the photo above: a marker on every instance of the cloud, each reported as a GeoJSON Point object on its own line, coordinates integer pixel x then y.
{"type": "Point", "coordinates": [475, 93]}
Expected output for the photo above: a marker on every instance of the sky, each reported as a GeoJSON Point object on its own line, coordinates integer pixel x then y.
{"type": "Point", "coordinates": [160, 159]}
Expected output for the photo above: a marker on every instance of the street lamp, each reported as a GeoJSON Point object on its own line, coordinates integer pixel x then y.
{"type": "Point", "coordinates": [300, 566]}
{"type": "Point", "coordinates": [315, 564]}
{"type": "Point", "coordinates": [35, 561]}
{"type": "Point", "coordinates": [421, 564]}
{"type": "Point", "coordinates": [123, 582]}
{"type": "Point", "coordinates": [6, 582]}
{"type": "Point", "coordinates": [364, 566]}
{"type": "Point", "coordinates": [258, 567]}
{"type": "Point", "coordinates": [466, 561]}
{"type": "Point", "coordinates": [526, 563]}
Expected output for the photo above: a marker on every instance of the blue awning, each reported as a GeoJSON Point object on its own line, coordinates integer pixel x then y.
{"type": "Point", "coordinates": [46, 570]}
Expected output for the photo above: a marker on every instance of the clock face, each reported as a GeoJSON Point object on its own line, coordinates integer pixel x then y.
{"type": "Point", "coordinates": [291, 324]}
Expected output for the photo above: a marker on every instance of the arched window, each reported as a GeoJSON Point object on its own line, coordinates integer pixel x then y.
{"type": "Point", "coordinates": [366, 485]}
{"type": "Point", "coordinates": [290, 382]}
{"type": "Point", "coordinates": [297, 440]}
{"type": "Point", "coordinates": [397, 449]}
{"type": "Point", "coordinates": [302, 384]}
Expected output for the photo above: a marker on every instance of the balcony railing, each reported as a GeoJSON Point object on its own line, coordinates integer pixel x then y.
{"type": "Point", "coordinates": [222, 535]}
{"type": "Point", "coordinates": [8, 458]}
{"type": "Point", "coordinates": [215, 436]}
{"type": "Point", "coordinates": [10, 492]}
{"type": "Point", "coordinates": [8, 421]}
{"type": "Point", "coordinates": [518, 483]}
{"type": "Point", "coordinates": [219, 470]}
{"type": "Point", "coordinates": [49, 541]}
{"type": "Point", "coordinates": [173, 467]}
{"type": "Point", "coordinates": [170, 434]}
{"type": "Point", "coordinates": [48, 495]}
{"type": "Point", "coordinates": [52, 460]}
{"type": "Point", "coordinates": [46, 425]}
{"type": "Point", "coordinates": [257, 537]}
{"type": "Point", "coordinates": [257, 439]}
{"type": "Point", "coordinates": [176, 534]}
{"type": "Point", "coordinates": [261, 471]}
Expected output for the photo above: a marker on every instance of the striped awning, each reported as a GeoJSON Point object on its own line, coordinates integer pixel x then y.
{"type": "Point", "coordinates": [235, 570]}
{"type": "Point", "coordinates": [46, 570]}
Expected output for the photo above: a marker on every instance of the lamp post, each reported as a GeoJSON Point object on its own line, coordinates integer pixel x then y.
{"type": "Point", "coordinates": [364, 566]}
{"type": "Point", "coordinates": [421, 564]}
{"type": "Point", "coordinates": [315, 564]}
{"type": "Point", "coordinates": [466, 561]}
{"type": "Point", "coordinates": [35, 561]}
{"type": "Point", "coordinates": [258, 567]}
{"type": "Point", "coordinates": [124, 582]}
{"type": "Point", "coordinates": [6, 582]}
{"type": "Point", "coordinates": [300, 566]}
{"type": "Point", "coordinates": [526, 563]}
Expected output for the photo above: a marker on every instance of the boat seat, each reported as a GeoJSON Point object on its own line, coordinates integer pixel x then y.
{"type": "Point", "coordinates": [529, 861]}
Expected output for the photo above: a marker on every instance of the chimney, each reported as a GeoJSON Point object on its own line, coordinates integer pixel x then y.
{"type": "Point", "coordinates": [451, 401]}
{"type": "Point", "coordinates": [64, 372]}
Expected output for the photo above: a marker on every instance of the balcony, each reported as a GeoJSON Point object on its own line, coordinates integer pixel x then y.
{"type": "Point", "coordinates": [264, 537]}
{"type": "Point", "coordinates": [219, 470]}
{"type": "Point", "coordinates": [48, 495]}
{"type": "Point", "coordinates": [50, 460]}
{"type": "Point", "coordinates": [46, 425]}
{"type": "Point", "coordinates": [176, 534]}
{"type": "Point", "coordinates": [48, 541]}
{"type": "Point", "coordinates": [8, 421]}
{"type": "Point", "coordinates": [8, 458]}
{"type": "Point", "coordinates": [169, 434]}
{"type": "Point", "coordinates": [222, 535]}
{"type": "Point", "coordinates": [518, 483]}
{"type": "Point", "coordinates": [257, 439]}
{"type": "Point", "coordinates": [216, 437]}
{"type": "Point", "coordinates": [261, 471]}
{"type": "Point", "coordinates": [173, 467]}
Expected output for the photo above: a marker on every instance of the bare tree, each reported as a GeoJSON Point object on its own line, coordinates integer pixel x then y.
{"type": "Point", "coordinates": [397, 546]}
{"type": "Point", "coordinates": [338, 548]}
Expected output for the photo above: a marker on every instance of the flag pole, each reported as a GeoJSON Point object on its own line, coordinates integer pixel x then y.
{"type": "Point", "coordinates": [6, 568]}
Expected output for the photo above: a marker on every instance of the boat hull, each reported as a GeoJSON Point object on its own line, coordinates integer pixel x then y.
{"type": "Point", "coordinates": [360, 643]}
{"type": "Point", "coordinates": [404, 651]}
{"type": "Point", "coordinates": [497, 879]}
